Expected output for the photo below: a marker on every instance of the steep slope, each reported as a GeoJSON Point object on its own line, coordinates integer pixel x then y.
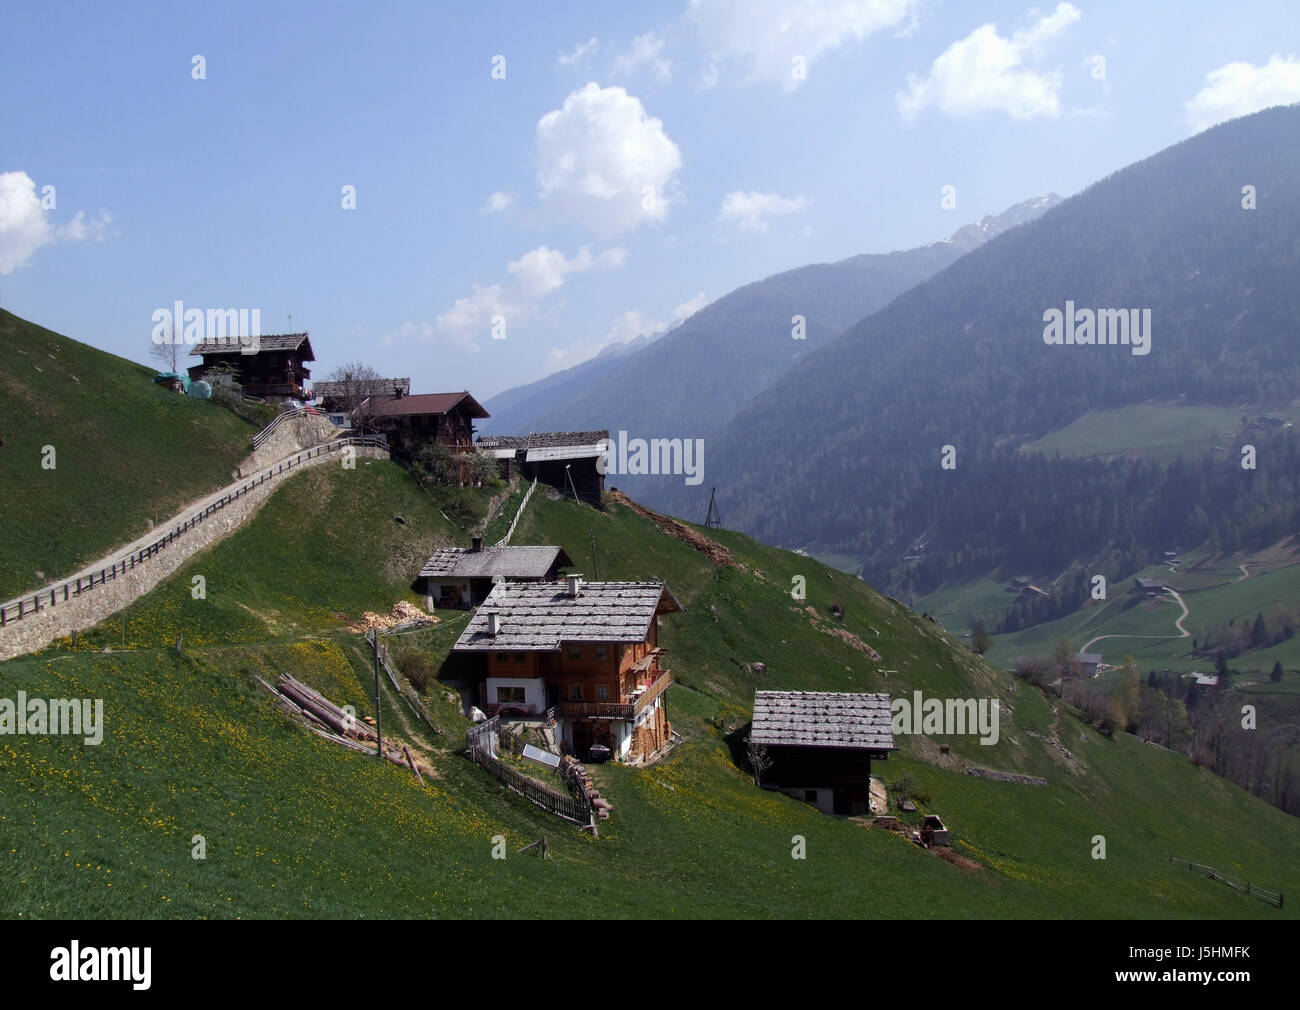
{"type": "Point", "coordinates": [125, 452]}
{"type": "Point", "coordinates": [690, 381]}
{"type": "Point", "coordinates": [295, 826]}
{"type": "Point", "coordinates": [961, 360]}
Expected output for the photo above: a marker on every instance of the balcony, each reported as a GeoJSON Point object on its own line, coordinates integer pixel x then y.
{"type": "Point", "coordinates": [617, 710]}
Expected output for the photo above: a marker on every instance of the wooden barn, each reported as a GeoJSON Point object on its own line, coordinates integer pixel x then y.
{"type": "Point", "coordinates": [589, 650]}
{"type": "Point", "coordinates": [414, 420]}
{"type": "Point", "coordinates": [276, 371]}
{"type": "Point", "coordinates": [566, 460]}
{"type": "Point", "coordinates": [463, 576]}
{"type": "Point", "coordinates": [817, 746]}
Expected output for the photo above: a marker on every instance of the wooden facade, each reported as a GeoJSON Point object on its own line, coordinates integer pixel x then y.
{"type": "Point", "coordinates": [587, 652]}
{"type": "Point", "coordinates": [276, 371]}
{"type": "Point", "coordinates": [413, 421]}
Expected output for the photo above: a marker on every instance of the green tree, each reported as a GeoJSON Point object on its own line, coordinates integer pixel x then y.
{"type": "Point", "coordinates": [1276, 675]}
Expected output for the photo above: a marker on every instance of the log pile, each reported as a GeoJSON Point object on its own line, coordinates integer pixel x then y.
{"type": "Point", "coordinates": [580, 779]}
{"type": "Point", "coordinates": [330, 722]}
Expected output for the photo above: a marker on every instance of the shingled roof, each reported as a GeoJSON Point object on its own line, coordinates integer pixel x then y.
{"type": "Point", "coordinates": [508, 562]}
{"type": "Point", "coordinates": [823, 719]}
{"type": "Point", "coordinates": [544, 445]}
{"type": "Point", "coordinates": [540, 616]}
{"type": "Point", "coordinates": [268, 342]}
{"type": "Point", "coordinates": [340, 388]}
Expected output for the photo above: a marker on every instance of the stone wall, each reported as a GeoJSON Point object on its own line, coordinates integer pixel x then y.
{"type": "Point", "coordinates": [292, 436]}
{"type": "Point", "coordinates": [93, 605]}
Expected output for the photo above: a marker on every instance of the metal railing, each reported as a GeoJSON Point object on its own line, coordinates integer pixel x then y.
{"type": "Point", "coordinates": [288, 415]}
{"type": "Point", "coordinates": [30, 605]}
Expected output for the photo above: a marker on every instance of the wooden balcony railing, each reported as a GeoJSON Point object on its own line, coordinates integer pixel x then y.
{"type": "Point", "coordinates": [613, 709]}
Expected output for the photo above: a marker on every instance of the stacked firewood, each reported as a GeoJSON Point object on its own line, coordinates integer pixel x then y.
{"type": "Point", "coordinates": [575, 773]}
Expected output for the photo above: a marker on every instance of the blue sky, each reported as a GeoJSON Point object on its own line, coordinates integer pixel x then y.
{"type": "Point", "coordinates": [636, 176]}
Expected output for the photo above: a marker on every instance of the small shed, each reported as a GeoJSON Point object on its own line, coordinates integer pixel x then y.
{"type": "Point", "coordinates": [463, 576]}
{"type": "Point", "coordinates": [817, 746]}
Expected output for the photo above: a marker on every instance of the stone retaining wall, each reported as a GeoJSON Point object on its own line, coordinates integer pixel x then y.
{"type": "Point", "coordinates": [86, 610]}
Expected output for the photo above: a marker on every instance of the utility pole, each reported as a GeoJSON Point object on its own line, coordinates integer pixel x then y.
{"type": "Point", "coordinates": [379, 730]}
{"type": "Point", "coordinates": [595, 567]}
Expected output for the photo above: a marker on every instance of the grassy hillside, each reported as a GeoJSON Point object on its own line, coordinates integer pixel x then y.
{"type": "Point", "coordinates": [1162, 433]}
{"type": "Point", "coordinates": [127, 453]}
{"type": "Point", "coordinates": [295, 826]}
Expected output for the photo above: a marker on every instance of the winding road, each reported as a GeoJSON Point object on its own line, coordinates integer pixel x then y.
{"type": "Point", "coordinates": [1182, 632]}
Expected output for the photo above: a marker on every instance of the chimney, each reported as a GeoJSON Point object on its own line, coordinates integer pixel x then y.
{"type": "Point", "coordinates": [494, 623]}
{"type": "Point", "coordinates": [574, 583]}
{"type": "Point", "coordinates": [476, 545]}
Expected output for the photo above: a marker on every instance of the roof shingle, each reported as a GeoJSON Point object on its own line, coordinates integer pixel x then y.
{"type": "Point", "coordinates": [539, 616]}
{"type": "Point", "coordinates": [823, 719]}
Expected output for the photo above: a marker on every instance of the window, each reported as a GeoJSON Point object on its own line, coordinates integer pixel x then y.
{"type": "Point", "coordinates": [575, 651]}
{"type": "Point", "coordinates": [810, 795]}
{"type": "Point", "coordinates": [507, 695]}
{"type": "Point", "coordinates": [575, 692]}
{"type": "Point", "coordinates": [520, 657]}
{"type": "Point", "coordinates": [602, 692]}
{"type": "Point", "coordinates": [502, 657]}
{"type": "Point", "coordinates": [602, 652]}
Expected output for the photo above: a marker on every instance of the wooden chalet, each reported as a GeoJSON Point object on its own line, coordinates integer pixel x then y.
{"type": "Point", "coordinates": [277, 370]}
{"type": "Point", "coordinates": [566, 460]}
{"type": "Point", "coordinates": [587, 650]}
{"type": "Point", "coordinates": [1148, 588]}
{"type": "Point", "coordinates": [818, 745]}
{"type": "Point", "coordinates": [414, 420]}
{"type": "Point", "coordinates": [464, 576]}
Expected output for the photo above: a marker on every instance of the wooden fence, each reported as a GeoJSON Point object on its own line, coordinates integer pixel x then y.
{"type": "Point", "coordinates": [483, 740]}
{"type": "Point", "coordinates": [1274, 898]}
{"type": "Point", "coordinates": [505, 540]}
{"type": "Point", "coordinates": [28, 606]}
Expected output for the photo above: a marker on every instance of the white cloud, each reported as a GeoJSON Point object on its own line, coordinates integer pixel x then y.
{"type": "Point", "coordinates": [407, 331]}
{"type": "Point", "coordinates": [688, 308]}
{"type": "Point", "coordinates": [581, 53]}
{"type": "Point", "coordinates": [749, 42]}
{"type": "Point", "coordinates": [497, 202]}
{"type": "Point", "coordinates": [25, 225]}
{"type": "Point", "coordinates": [749, 210]}
{"type": "Point", "coordinates": [645, 51]}
{"type": "Point", "coordinates": [1238, 89]}
{"type": "Point", "coordinates": [543, 269]}
{"type": "Point", "coordinates": [985, 72]}
{"type": "Point", "coordinates": [604, 162]}
{"type": "Point", "coordinates": [79, 229]}
{"type": "Point", "coordinates": [470, 319]}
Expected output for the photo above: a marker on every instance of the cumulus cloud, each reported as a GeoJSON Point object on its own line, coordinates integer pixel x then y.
{"type": "Point", "coordinates": [985, 72]}
{"type": "Point", "coordinates": [497, 202]}
{"type": "Point", "coordinates": [25, 225]}
{"type": "Point", "coordinates": [749, 42]}
{"type": "Point", "coordinates": [750, 210]}
{"type": "Point", "coordinates": [542, 270]}
{"type": "Point", "coordinates": [582, 52]}
{"type": "Point", "coordinates": [1238, 89]}
{"type": "Point", "coordinates": [645, 51]}
{"type": "Point", "coordinates": [604, 162]}
{"type": "Point", "coordinates": [470, 319]}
